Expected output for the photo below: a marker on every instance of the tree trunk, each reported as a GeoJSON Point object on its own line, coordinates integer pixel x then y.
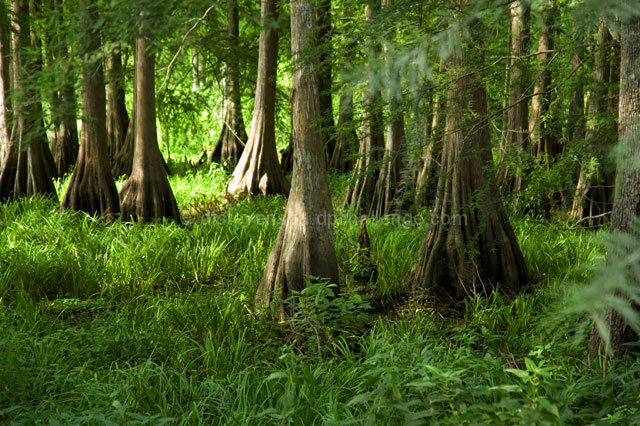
{"type": "Point", "coordinates": [594, 188]}
{"type": "Point", "coordinates": [28, 168]}
{"type": "Point", "coordinates": [516, 141]}
{"type": "Point", "coordinates": [325, 77]}
{"type": "Point", "coordinates": [542, 129]}
{"type": "Point", "coordinates": [626, 207]}
{"type": "Point", "coordinates": [427, 178]}
{"type": "Point", "coordinates": [470, 246]}
{"type": "Point", "coordinates": [117, 117]}
{"type": "Point", "coordinates": [146, 195]}
{"type": "Point", "coordinates": [91, 188]}
{"type": "Point", "coordinates": [5, 84]}
{"type": "Point", "coordinates": [122, 162]}
{"type": "Point", "coordinates": [65, 145]}
{"type": "Point", "coordinates": [346, 136]}
{"type": "Point", "coordinates": [545, 128]}
{"type": "Point", "coordinates": [575, 122]}
{"type": "Point", "coordinates": [258, 170]}
{"type": "Point", "coordinates": [388, 195]}
{"type": "Point", "coordinates": [367, 170]}
{"type": "Point", "coordinates": [197, 70]}
{"type": "Point", "coordinates": [233, 136]}
{"type": "Point", "coordinates": [304, 246]}
{"type": "Point", "coordinates": [62, 102]}
{"type": "Point", "coordinates": [286, 154]}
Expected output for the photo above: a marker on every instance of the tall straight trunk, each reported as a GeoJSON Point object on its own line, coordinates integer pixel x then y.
{"type": "Point", "coordinates": [422, 123]}
{"type": "Point", "coordinates": [38, 110]}
{"type": "Point", "coordinates": [28, 167]}
{"type": "Point", "coordinates": [91, 188]}
{"type": "Point", "coordinates": [5, 84]}
{"type": "Point", "coordinates": [325, 77]}
{"type": "Point", "coordinates": [122, 162]}
{"type": "Point", "coordinates": [233, 136]}
{"type": "Point", "coordinates": [370, 152]}
{"type": "Point", "coordinates": [258, 171]}
{"type": "Point", "coordinates": [387, 195]}
{"type": "Point", "coordinates": [304, 246]}
{"type": "Point", "coordinates": [346, 136]}
{"type": "Point", "coordinates": [575, 129]}
{"type": "Point", "coordinates": [543, 134]}
{"type": "Point", "coordinates": [146, 195]}
{"type": "Point", "coordinates": [117, 117]}
{"type": "Point", "coordinates": [613, 98]}
{"type": "Point", "coordinates": [62, 100]}
{"type": "Point", "coordinates": [517, 137]}
{"type": "Point", "coordinates": [8, 160]}
{"type": "Point", "coordinates": [470, 246]}
{"type": "Point", "coordinates": [65, 145]}
{"type": "Point", "coordinates": [427, 178]}
{"type": "Point", "coordinates": [197, 70]}
{"type": "Point", "coordinates": [575, 121]}
{"type": "Point", "coordinates": [593, 193]}
{"type": "Point", "coordinates": [626, 207]}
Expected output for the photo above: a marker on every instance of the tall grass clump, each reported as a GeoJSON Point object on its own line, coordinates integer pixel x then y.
{"type": "Point", "coordinates": [155, 324]}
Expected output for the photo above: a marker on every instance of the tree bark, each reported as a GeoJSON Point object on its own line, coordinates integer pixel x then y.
{"type": "Point", "coordinates": [346, 136]}
{"type": "Point", "coordinates": [122, 162]}
{"type": "Point", "coordinates": [117, 117]}
{"type": "Point", "coordinates": [517, 138]}
{"type": "Point", "coordinates": [543, 134]}
{"type": "Point", "coordinates": [197, 70]}
{"type": "Point", "coordinates": [470, 246]}
{"type": "Point", "coordinates": [62, 101]}
{"type": "Point", "coordinates": [575, 120]}
{"type": "Point", "coordinates": [325, 77]}
{"type": "Point", "coordinates": [146, 195]}
{"type": "Point", "coordinates": [5, 85]}
{"type": "Point", "coordinates": [427, 178]}
{"type": "Point", "coordinates": [65, 145]}
{"type": "Point", "coordinates": [370, 152]}
{"type": "Point", "coordinates": [28, 168]}
{"type": "Point", "coordinates": [388, 192]}
{"type": "Point", "coordinates": [91, 188]}
{"type": "Point", "coordinates": [594, 189]}
{"type": "Point", "coordinates": [233, 136]}
{"type": "Point", "coordinates": [304, 246]}
{"type": "Point", "coordinates": [258, 171]}
{"type": "Point", "coordinates": [626, 207]}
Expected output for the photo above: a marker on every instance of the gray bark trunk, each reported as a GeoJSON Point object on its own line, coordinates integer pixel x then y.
{"type": "Point", "coordinates": [91, 188]}
{"type": "Point", "coordinates": [258, 170]}
{"type": "Point", "coordinates": [304, 245]}
{"type": "Point", "coordinates": [146, 195]}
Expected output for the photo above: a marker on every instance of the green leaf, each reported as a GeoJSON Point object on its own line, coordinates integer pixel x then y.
{"type": "Point", "coordinates": [360, 399]}
{"type": "Point", "coordinates": [277, 375]}
{"type": "Point", "coordinates": [507, 388]}
{"type": "Point", "coordinates": [520, 373]}
{"type": "Point", "coordinates": [551, 408]}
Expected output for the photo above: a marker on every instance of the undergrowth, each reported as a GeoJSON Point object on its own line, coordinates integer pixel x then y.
{"type": "Point", "coordinates": [123, 323]}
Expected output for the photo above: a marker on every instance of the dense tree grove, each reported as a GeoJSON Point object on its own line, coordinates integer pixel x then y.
{"type": "Point", "coordinates": [382, 160]}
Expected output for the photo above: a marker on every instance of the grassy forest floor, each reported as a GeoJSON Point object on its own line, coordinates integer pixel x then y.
{"type": "Point", "coordinates": [122, 323]}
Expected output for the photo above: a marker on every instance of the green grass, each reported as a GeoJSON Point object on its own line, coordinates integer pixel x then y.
{"type": "Point", "coordinates": [113, 324]}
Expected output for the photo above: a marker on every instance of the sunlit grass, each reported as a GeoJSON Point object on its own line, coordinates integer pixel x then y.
{"type": "Point", "coordinates": [126, 323]}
